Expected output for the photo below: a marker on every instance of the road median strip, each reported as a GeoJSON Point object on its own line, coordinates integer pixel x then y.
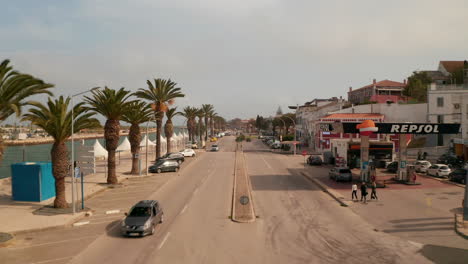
{"type": "Point", "coordinates": [242, 204]}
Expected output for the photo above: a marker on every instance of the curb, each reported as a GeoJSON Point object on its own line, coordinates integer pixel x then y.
{"type": "Point", "coordinates": [446, 181]}
{"type": "Point", "coordinates": [324, 188]}
{"type": "Point", "coordinates": [233, 212]}
{"type": "Point", "coordinates": [460, 233]}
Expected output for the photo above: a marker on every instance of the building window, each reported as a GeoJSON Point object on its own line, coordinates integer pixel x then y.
{"type": "Point", "coordinates": [440, 119]}
{"type": "Point", "coordinates": [440, 102]}
{"type": "Point", "coordinates": [456, 106]}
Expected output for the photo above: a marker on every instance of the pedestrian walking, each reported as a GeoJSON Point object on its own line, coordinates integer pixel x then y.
{"type": "Point", "coordinates": [354, 191]}
{"type": "Point", "coordinates": [374, 192]}
{"type": "Point", "coordinates": [364, 192]}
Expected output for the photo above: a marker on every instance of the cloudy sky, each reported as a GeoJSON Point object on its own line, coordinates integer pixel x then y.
{"type": "Point", "coordinates": [244, 57]}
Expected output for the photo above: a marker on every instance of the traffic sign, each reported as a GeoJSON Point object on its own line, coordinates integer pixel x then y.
{"type": "Point", "coordinates": [304, 152]}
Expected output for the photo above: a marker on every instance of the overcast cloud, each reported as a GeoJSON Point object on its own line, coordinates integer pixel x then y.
{"type": "Point", "coordinates": [244, 57]}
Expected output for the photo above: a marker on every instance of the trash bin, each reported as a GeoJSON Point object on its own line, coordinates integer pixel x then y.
{"type": "Point", "coordinates": [32, 181]}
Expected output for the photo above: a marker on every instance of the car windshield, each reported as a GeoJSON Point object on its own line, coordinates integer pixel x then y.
{"type": "Point", "coordinates": [443, 167]}
{"type": "Point", "coordinates": [345, 171]}
{"type": "Point", "coordinates": [140, 211]}
{"type": "Point", "coordinates": [215, 146]}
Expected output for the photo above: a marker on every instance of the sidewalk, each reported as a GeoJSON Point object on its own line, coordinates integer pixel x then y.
{"type": "Point", "coordinates": [21, 217]}
{"type": "Point", "coordinates": [421, 213]}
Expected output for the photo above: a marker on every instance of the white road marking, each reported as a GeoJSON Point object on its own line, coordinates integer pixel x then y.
{"type": "Point", "coordinates": [56, 242]}
{"type": "Point", "coordinates": [268, 165]}
{"type": "Point", "coordinates": [164, 240]}
{"type": "Point", "coordinates": [51, 260]}
{"type": "Point", "coordinates": [113, 211]}
{"type": "Point", "coordinates": [81, 223]}
{"type": "Point", "coordinates": [183, 210]}
{"type": "Point", "coordinates": [416, 244]}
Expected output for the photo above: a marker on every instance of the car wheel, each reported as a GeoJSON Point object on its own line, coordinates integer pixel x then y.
{"type": "Point", "coordinates": [152, 230]}
{"type": "Point", "coordinates": [176, 169]}
{"type": "Point", "coordinates": [158, 171]}
{"type": "Point", "coordinates": [437, 175]}
{"type": "Point", "coordinates": [161, 220]}
{"type": "Point", "coordinates": [462, 181]}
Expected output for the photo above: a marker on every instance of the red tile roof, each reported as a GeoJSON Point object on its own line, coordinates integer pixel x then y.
{"type": "Point", "coordinates": [452, 66]}
{"type": "Point", "coordinates": [352, 116]}
{"type": "Point", "coordinates": [384, 83]}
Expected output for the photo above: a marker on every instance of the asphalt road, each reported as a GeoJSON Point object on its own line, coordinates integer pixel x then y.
{"type": "Point", "coordinates": [297, 223]}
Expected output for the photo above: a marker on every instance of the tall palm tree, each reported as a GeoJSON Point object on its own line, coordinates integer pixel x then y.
{"type": "Point", "coordinates": [15, 88]}
{"type": "Point", "coordinates": [138, 113]}
{"type": "Point", "coordinates": [161, 94]}
{"type": "Point", "coordinates": [190, 113]}
{"type": "Point", "coordinates": [213, 115]}
{"type": "Point", "coordinates": [200, 116]}
{"type": "Point", "coordinates": [112, 104]}
{"type": "Point", "coordinates": [56, 120]}
{"type": "Point", "coordinates": [169, 127]}
{"type": "Point", "coordinates": [207, 110]}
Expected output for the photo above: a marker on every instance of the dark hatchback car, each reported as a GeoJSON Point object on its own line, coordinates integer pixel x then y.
{"type": "Point", "coordinates": [173, 156]}
{"type": "Point", "coordinates": [314, 160]}
{"type": "Point", "coordinates": [142, 218]}
{"type": "Point", "coordinates": [392, 167]}
{"type": "Point", "coordinates": [164, 166]}
{"type": "Point", "coordinates": [458, 175]}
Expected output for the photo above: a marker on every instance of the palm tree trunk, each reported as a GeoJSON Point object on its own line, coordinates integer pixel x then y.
{"type": "Point", "coordinates": [135, 138]}
{"type": "Point", "coordinates": [158, 137]}
{"type": "Point", "coordinates": [206, 128]}
{"type": "Point", "coordinates": [60, 169]}
{"type": "Point", "coordinates": [111, 134]}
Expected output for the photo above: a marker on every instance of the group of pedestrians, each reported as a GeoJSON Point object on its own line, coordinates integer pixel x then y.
{"type": "Point", "coordinates": [364, 192]}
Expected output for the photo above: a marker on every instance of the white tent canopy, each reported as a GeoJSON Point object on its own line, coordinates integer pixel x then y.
{"type": "Point", "coordinates": [124, 146]}
{"type": "Point", "coordinates": [143, 142]}
{"type": "Point", "coordinates": [99, 150]}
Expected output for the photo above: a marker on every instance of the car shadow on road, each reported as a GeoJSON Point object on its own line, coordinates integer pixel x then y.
{"type": "Point", "coordinates": [113, 229]}
{"type": "Point", "coordinates": [441, 254]}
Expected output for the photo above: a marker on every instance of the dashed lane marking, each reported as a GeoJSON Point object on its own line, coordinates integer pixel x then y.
{"type": "Point", "coordinates": [183, 210]}
{"type": "Point", "coordinates": [81, 223]}
{"type": "Point", "coordinates": [164, 240]}
{"type": "Point", "coordinates": [113, 211]}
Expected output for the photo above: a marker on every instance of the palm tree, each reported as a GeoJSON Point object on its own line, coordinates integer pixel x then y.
{"type": "Point", "coordinates": [15, 88]}
{"type": "Point", "coordinates": [162, 94]}
{"type": "Point", "coordinates": [138, 113]}
{"type": "Point", "coordinates": [200, 116]}
{"type": "Point", "coordinates": [213, 115]}
{"type": "Point", "coordinates": [207, 110]}
{"type": "Point", "coordinates": [190, 113]}
{"type": "Point", "coordinates": [169, 127]}
{"type": "Point", "coordinates": [56, 120]}
{"type": "Point", "coordinates": [112, 104]}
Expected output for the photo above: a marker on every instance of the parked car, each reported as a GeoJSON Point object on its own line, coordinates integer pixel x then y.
{"type": "Point", "coordinates": [392, 167]}
{"type": "Point", "coordinates": [177, 156]}
{"type": "Point", "coordinates": [213, 139]}
{"type": "Point", "coordinates": [458, 175]}
{"type": "Point", "coordinates": [164, 165]}
{"type": "Point", "coordinates": [194, 145]}
{"type": "Point", "coordinates": [214, 148]}
{"type": "Point", "coordinates": [340, 174]}
{"type": "Point", "coordinates": [314, 160]}
{"type": "Point", "coordinates": [439, 170]}
{"type": "Point", "coordinates": [142, 218]}
{"type": "Point", "coordinates": [276, 145]}
{"type": "Point", "coordinates": [188, 153]}
{"type": "Point", "coordinates": [422, 165]}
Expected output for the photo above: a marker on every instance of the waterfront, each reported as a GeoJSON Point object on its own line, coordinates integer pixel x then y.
{"type": "Point", "coordinates": [41, 152]}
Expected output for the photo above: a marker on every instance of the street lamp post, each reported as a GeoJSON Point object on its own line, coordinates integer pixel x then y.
{"type": "Point", "coordinates": [72, 169]}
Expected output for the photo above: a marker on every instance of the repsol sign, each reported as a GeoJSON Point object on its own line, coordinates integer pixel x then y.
{"type": "Point", "coordinates": [407, 128]}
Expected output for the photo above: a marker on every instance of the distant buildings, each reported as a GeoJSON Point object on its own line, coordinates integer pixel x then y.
{"type": "Point", "coordinates": [379, 92]}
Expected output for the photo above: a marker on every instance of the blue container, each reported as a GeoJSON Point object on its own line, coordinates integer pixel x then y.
{"type": "Point", "coordinates": [32, 181]}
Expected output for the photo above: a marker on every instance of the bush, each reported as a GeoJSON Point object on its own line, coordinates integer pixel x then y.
{"type": "Point", "coordinates": [248, 139]}
{"type": "Point", "coordinates": [288, 138]}
{"type": "Point", "coordinates": [286, 147]}
{"type": "Point", "coordinates": [240, 138]}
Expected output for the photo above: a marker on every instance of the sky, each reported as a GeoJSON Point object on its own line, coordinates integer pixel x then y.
{"type": "Point", "coordinates": [244, 57]}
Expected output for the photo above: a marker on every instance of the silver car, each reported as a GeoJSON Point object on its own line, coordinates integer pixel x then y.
{"type": "Point", "coordinates": [422, 165]}
{"type": "Point", "coordinates": [340, 174]}
{"type": "Point", "coordinates": [142, 218]}
{"type": "Point", "coordinates": [439, 170]}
